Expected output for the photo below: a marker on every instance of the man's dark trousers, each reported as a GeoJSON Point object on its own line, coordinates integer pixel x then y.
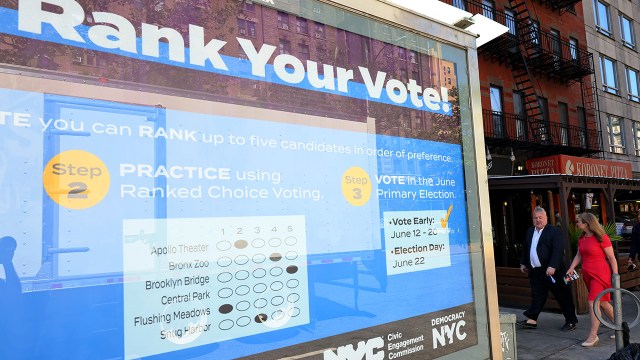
{"type": "Point", "coordinates": [540, 286]}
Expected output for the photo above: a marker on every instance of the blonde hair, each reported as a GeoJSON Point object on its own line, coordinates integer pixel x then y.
{"type": "Point", "coordinates": [593, 224]}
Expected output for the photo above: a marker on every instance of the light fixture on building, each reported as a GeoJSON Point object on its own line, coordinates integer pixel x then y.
{"type": "Point", "coordinates": [511, 156]}
{"type": "Point", "coordinates": [464, 23]}
{"type": "Point", "coordinates": [483, 28]}
{"type": "Point", "coordinates": [488, 154]}
{"type": "Point", "coordinates": [520, 167]}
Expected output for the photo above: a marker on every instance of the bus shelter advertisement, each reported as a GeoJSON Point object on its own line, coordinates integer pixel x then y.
{"type": "Point", "coordinates": [263, 183]}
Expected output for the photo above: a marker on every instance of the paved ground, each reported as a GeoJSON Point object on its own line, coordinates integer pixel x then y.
{"type": "Point", "coordinates": [548, 342]}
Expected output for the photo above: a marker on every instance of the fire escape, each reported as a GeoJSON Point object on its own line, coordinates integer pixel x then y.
{"type": "Point", "coordinates": [533, 54]}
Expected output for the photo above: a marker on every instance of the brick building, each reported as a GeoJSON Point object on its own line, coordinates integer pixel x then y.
{"type": "Point", "coordinates": [611, 35]}
{"type": "Point", "coordinates": [539, 101]}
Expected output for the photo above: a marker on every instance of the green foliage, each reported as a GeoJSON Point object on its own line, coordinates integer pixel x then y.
{"type": "Point", "coordinates": [575, 233]}
{"type": "Point", "coordinates": [610, 229]}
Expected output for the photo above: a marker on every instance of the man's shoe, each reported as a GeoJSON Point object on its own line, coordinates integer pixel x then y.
{"type": "Point", "coordinates": [526, 325]}
{"type": "Point", "coordinates": [568, 327]}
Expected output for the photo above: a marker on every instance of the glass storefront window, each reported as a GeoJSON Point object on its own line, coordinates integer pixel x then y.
{"type": "Point", "coordinates": [234, 179]}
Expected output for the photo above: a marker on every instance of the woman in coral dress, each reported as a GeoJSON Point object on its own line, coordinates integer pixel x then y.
{"type": "Point", "coordinates": [598, 263]}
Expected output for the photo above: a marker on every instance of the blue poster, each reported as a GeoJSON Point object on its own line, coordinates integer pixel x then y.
{"type": "Point", "coordinates": [229, 179]}
{"type": "Point", "coordinates": [167, 231]}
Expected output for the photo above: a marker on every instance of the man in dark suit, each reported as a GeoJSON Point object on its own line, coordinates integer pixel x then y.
{"type": "Point", "coordinates": [635, 244]}
{"type": "Point", "coordinates": [543, 259]}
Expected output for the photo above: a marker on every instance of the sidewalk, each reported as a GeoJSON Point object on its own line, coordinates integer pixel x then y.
{"type": "Point", "coordinates": [548, 342]}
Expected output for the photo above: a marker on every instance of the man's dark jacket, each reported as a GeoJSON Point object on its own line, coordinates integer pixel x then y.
{"type": "Point", "coordinates": [550, 248]}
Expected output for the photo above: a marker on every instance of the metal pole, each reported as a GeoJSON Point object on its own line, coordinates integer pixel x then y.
{"type": "Point", "coordinates": [617, 310]}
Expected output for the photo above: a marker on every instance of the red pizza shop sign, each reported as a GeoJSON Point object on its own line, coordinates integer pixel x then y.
{"type": "Point", "coordinates": [571, 165]}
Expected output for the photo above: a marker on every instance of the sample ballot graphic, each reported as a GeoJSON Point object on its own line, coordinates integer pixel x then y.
{"type": "Point", "coordinates": [190, 282]}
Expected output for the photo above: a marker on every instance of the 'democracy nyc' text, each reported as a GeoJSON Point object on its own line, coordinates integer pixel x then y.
{"type": "Point", "coordinates": [115, 34]}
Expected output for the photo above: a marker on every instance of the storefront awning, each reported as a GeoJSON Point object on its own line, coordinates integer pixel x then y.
{"type": "Point", "coordinates": [572, 165]}
{"type": "Point", "coordinates": [559, 180]}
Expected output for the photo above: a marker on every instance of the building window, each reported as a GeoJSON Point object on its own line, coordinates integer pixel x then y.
{"type": "Point", "coordinates": [413, 57]}
{"type": "Point", "coordinates": [402, 54]}
{"type": "Point", "coordinates": [497, 117]}
{"type": "Point", "coordinates": [404, 75]}
{"type": "Point", "coordinates": [78, 57]}
{"type": "Point", "coordinates": [563, 109]}
{"type": "Point", "coordinates": [304, 52]}
{"type": "Point", "coordinates": [534, 32]}
{"type": "Point", "coordinates": [555, 48]}
{"type": "Point", "coordinates": [573, 48]}
{"type": "Point", "coordinates": [520, 115]}
{"type": "Point", "coordinates": [555, 42]}
{"type": "Point", "coordinates": [284, 46]}
{"type": "Point", "coordinates": [86, 57]}
{"type": "Point", "coordinates": [582, 125]}
{"type": "Point", "coordinates": [542, 128]}
{"type": "Point", "coordinates": [246, 28]}
{"type": "Point", "coordinates": [388, 50]}
{"type": "Point", "coordinates": [616, 134]}
{"type": "Point", "coordinates": [319, 31]}
{"type": "Point", "coordinates": [283, 20]}
{"type": "Point", "coordinates": [626, 32]}
{"type": "Point", "coordinates": [91, 58]}
{"type": "Point", "coordinates": [460, 4]}
{"type": "Point", "coordinates": [302, 26]}
{"type": "Point", "coordinates": [248, 5]}
{"type": "Point", "coordinates": [636, 137]}
{"type": "Point", "coordinates": [632, 84]}
{"type": "Point", "coordinates": [510, 21]}
{"type": "Point", "coordinates": [603, 24]}
{"type": "Point", "coordinates": [487, 9]}
{"type": "Point", "coordinates": [609, 76]}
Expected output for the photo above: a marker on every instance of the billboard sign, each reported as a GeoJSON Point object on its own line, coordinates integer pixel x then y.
{"type": "Point", "coordinates": [231, 179]}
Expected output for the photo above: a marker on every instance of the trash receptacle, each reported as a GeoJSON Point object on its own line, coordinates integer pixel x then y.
{"type": "Point", "coordinates": [508, 336]}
